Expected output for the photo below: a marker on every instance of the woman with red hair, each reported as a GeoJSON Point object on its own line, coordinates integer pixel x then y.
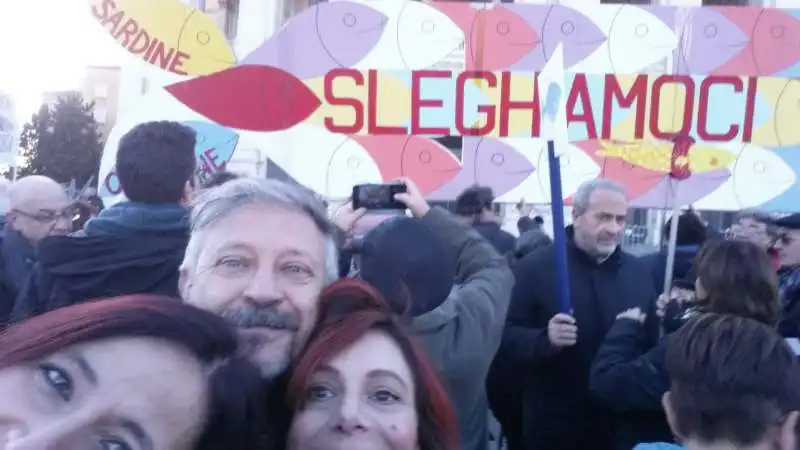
{"type": "Point", "coordinates": [361, 383]}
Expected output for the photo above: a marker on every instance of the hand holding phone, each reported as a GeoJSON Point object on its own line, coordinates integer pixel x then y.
{"type": "Point", "coordinates": [378, 196]}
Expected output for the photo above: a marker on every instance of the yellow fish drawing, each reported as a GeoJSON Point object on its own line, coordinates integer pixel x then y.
{"type": "Point", "coordinates": [657, 156]}
{"type": "Point", "coordinates": [166, 33]}
{"type": "Point", "coordinates": [781, 130]}
{"type": "Point", "coordinates": [393, 101]}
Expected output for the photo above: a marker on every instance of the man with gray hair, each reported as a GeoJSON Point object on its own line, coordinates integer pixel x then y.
{"type": "Point", "coordinates": [260, 253]}
{"type": "Point", "coordinates": [552, 349]}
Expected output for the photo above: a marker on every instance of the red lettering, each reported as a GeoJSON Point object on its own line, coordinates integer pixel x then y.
{"type": "Point", "coordinates": [506, 105]}
{"type": "Point", "coordinates": [332, 99]}
{"type": "Point", "coordinates": [702, 107]}
{"type": "Point", "coordinates": [127, 32]}
{"type": "Point", "coordinates": [211, 156]}
{"type": "Point", "coordinates": [103, 14]}
{"type": "Point", "coordinates": [145, 38]}
{"type": "Point", "coordinates": [688, 105]}
{"type": "Point", "coordinates": [177, 63]}
{"type": "Point", "coordinates": [115, 19]}
{"type": "Point", "coordinates": [111, 183]}
{"type": "Point", "coordinates": [750, 109]}
{"type": "Point", "coordinates": [489, 110]}
{"type": "Point", "coordinates": [613, 91]}
{"type": "Point", "coordinates": [372, 109]}
{"type": "Point", "coordinates": [150, 49]}
{"type": "Point", "coordinates": [417, 103]}
{"type": "Point", "coordinates": [162, 56]}
{"type": "Point", "coordinates": [580, 91]}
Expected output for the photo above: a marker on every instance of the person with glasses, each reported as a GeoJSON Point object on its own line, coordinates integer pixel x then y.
{"type": "Point", "coordinates": [37, 207]}
{"type": "Point", "coordinates": [133, 246]}
{"type": "Point", "coordinates": [787, 245]}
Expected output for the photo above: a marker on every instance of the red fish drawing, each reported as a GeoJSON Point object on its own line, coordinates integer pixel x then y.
{"type": "Point", "coordinates": [773, 47]}
{"type": "Point", "coordinates": [423, 160]}
{"type": "Point", "coordinates": [254, 98]}
{"type": "Point", "coordinates": [495, 38]}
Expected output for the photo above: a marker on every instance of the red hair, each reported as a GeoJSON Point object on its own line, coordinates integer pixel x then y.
{"type": "Point", "coordinates": [349, 309]}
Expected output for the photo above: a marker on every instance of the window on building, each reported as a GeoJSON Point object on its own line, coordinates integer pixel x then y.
{"type": "Point", "coordinates": [100, 112]}
{"type": "Point", "coordinates": [726, 3]}
{"type": "Point", "coordinates": [101, 90]}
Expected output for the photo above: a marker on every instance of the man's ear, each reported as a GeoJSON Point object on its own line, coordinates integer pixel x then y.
{"type": "Point", "coordinates": [184, 283]}
{"type": "Point", "coordinates": [788, 432]}
{"type": "Point", "coordinates": [11, 219]}
{"type": "Point", "coordinates": [188, 193]}
{"type": "Point", "coordinates": [672, 420]}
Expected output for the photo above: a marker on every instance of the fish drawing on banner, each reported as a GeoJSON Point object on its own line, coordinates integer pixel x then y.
{"type": "Point", "coordinates": [166, 33]}
{"type": "Point", "coordinates": [637, 39]}
{"type": "Point", "coordinates": [772, 46]}
{"type": "Point", "coordinates": [705, 168]}
{"type": "Point", "coordinates": [758, 176]}
{"type": "Point", "coordinates": [495, 36]}
{"type": "Point", "coordinates": [486, 162]}
{"type": "Point", "coordinates": [557, 25]}
{"type": "Point", "coordinates": [708, 39]}
{"type": "Point", "coordinates": [254, 98]}
{"type": "Point", "coordinates": [214, 148]}
{"type": "Point", "coordinates": [785, 200]}
{"type": "Point", "coordinates": [327, 163]}
{"type": "Point", "coordinates": [576, 168]}
{"type": "Point", "coordinates": [416, 36]}
{"type": "Point", "coordinates": [783, 96]}
{"type": "Point", "coordinates": [423, 160]}
{"type": "Point", "coordinates": [325, 36]}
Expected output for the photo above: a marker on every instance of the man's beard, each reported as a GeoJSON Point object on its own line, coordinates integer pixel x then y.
{"type": "Point", "coordinates": [272, 318]}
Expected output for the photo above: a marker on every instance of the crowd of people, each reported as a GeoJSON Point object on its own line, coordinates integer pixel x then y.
{"type": "Point", "coordinates": [238, 313]}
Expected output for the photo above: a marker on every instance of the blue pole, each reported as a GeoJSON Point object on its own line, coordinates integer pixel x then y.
{"type": "Point", "coordinates": [559, 232]}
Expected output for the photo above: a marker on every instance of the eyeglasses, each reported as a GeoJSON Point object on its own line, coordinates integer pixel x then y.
{"type": "Point", "coordinates": [48, 216]}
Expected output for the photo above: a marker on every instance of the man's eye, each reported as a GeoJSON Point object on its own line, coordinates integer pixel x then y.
{"type": "Point", "coordinates": [232, 263]}
{"type": "Point", "coordinates": [58, 379]}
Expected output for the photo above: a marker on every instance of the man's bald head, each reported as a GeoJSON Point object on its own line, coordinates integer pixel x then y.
{"type": "Point", "coordinates": [38, 207]}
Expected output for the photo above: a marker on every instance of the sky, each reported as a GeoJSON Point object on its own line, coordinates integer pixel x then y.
{"type": "Point", "coordinates": [45, 46]}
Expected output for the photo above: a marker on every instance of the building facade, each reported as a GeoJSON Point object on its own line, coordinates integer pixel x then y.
{"type": "Point", "coordinates": [101, 85]}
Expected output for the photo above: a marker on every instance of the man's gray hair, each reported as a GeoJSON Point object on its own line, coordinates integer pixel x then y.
{"type": "Point", "coordinates": [580, 200]}
{"type": "Point", "coordinates": [760, 217]}
{"type": "Point", "coordinates": [215, 204]}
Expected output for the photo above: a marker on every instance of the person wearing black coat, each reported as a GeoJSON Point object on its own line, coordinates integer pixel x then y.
{"type": "Point", "coordinates": [551, 349]}
{"type": "Point", "coordinates": [474, 205]}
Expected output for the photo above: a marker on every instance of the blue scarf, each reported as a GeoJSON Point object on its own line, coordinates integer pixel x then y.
{"type": "Point", "coordinates": [127, 218]}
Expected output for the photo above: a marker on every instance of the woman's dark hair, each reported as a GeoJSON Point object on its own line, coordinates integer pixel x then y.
{"type": "Point", "coordinates": [234, 409]}
{"type": "Point", "coordinates": [739, 279]}
{"type": "Point", "coordinates": [349, 309]}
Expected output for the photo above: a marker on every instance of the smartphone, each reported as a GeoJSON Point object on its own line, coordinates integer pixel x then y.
{"type": "Point", "coordinates": [378, 196]}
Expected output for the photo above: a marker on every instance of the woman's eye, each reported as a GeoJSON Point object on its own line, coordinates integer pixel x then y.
{"type": "Point", "coordinates": [58, 379]}
{"type": "Point", "coordinates": [385, 396]}
{"type": "Point", "coordinates": [112, 444]}
{"type": "Point", "coordinates": [318, 394]}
